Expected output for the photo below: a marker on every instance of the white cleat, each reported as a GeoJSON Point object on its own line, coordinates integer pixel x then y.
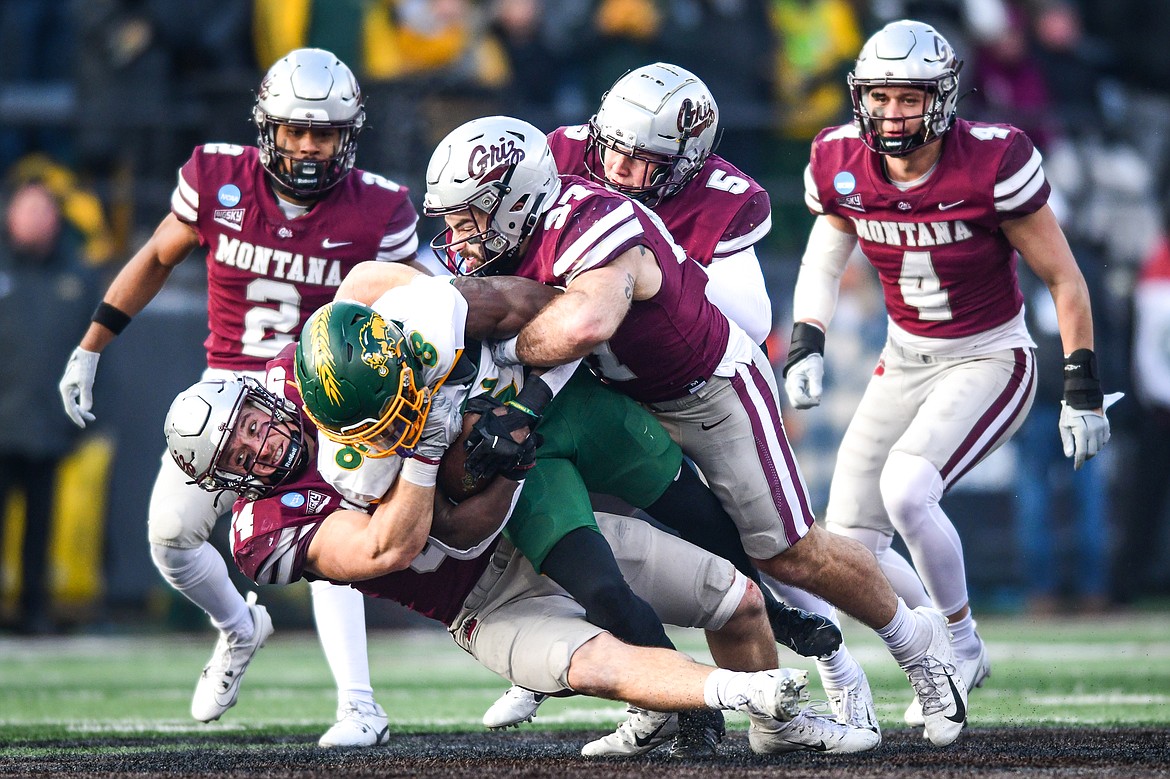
{"type": "Point", "coordinates": [219, 685]}
{"type": "Point", "coordinates": [359, 724]}
{"type": "Point", "coordinates": [515, 706]}
{"type": "Point", "coordinates": [974, 672]}
{"type": "Point", "coordinates": [808, 732]}
{"type": "Point", "coordinates": [641, 732]}
{"type": "Point", "coordinates": [774, 694]}
{"type": "Point", "coordinates": [938, 685]}
{"type": "Point", "coordinates": [853, 704]}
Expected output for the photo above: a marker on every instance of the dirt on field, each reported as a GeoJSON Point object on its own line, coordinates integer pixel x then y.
{"type": "Point", "coordinates": [1081, 752]}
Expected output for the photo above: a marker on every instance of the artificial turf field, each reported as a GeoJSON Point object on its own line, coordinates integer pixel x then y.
{"type": "Point", "coordinates": [1072, 697]}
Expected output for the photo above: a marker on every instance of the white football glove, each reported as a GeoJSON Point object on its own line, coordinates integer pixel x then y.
{"type": "Point", "coordinates": [804, 382]}
{"type": "Point", "coordinates": [1084, 432]}
{"type": "Point", "coordinates": [77, 385]}
{"type": "Point", "coordinates": [443, 425]}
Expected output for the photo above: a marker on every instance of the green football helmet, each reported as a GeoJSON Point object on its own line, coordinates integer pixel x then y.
{"type": "Point", "coordinates": [361, 383]}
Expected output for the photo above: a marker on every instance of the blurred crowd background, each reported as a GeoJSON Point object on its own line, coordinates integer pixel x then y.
{"type": "Point", "coordinates": [102, 100]}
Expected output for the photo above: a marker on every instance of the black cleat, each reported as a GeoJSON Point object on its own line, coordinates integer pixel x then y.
{"type": "Point", "coordinates": [699, 732]}
{"type": "Point", "coordinates": [805, 633]}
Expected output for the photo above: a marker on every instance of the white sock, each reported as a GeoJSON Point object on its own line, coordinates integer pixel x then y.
{"type": "Point", "coordinates": [202, 576]}
{"type": "Point", "coordinates": [964, 638]}
{"type": "Point", "coordinates": [340, 614]}
{"type": "Point", "coordinates": [903, 637]}
{"type": "Point", "coordinates": [838, 670]}
{"type": "Point", "coordinates": [726, 689]}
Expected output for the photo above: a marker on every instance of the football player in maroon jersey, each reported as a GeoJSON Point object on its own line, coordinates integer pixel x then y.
{"type": "Point", "coordinates": [717, 214]}
{"type": "Point", "coordinates": [283, 223]}
{"type": "Point", "coordinates": [289, 523]}
{"type": "Point", "coordinates": [940, 207]}
{"type": "Point", "coordinates": [634, 306]}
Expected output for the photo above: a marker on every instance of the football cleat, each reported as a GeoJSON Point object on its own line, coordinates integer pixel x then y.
{"type": "Point", "coordinates": [808, 732]}
{"type": "Point", "coordinates": [806, 633]}
{"type": "Point", "coordinates": [937, 683]}
{"type": "Point", "coordinates": [774, 694]}
{"type": "Point", "coordinates": [515, 706]}
{"type": "Point", "coordinates": [641, 732]}
{"type": "Point", "coordinates": [359, 724]}
{"type": "Point", "coordinates": [853, 704]}
{"type": "Point", "coordinates": [700, 732]}
{"type": "Point", "coordinates": [219, 685]}
{"type": "Point", "coordinates": [974, 671]}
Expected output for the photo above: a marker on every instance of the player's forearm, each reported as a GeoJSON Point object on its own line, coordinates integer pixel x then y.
{"type": "Point", "coordinates": [139, 281]}
{"type": "Point", "coordinates": [1074, 314]}
{"type": "Point", "coordinates": [568, 328]}
{"type": "Point", "coordinates": [499, 306]}
{"type": "Point", "coordinates": [399, 527]}
{"type": "Point", "coordinates": [477, 518]}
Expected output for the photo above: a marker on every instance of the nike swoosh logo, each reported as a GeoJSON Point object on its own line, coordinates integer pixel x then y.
{"type": "Point", "coordinates": [328, 244]}
{"type": "Point", "coordinates": [705, 426]}
{"type": "Point", "coordinates": [960, 714]}
{"type": "Point", "coordinates": [947, 206]}
{"type": "Point", "coordinates": [818, 747]}
{"type": "Point", "coordinates": [643, 741]}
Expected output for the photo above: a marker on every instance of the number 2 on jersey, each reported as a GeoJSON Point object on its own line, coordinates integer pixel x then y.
{"type": "Point", "coordinates": [262, 320]}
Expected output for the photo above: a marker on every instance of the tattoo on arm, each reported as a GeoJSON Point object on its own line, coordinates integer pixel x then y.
{"type": "Point", "coordinates": [629, 290]}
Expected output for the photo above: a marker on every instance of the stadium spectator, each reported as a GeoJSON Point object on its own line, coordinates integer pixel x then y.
{"type": "Point", "coordinates": [635, 305]}
{"type": "Point", "coordinates": [283, 223]}
{"type": "Point", "coordinates": [1041, 483]}
{"type": "Point", "coordinates": [925, 195]}
{"type": "Point", "coordinates": [41, 270]}
{"type": "Point", "coordinates": [1142, 520]}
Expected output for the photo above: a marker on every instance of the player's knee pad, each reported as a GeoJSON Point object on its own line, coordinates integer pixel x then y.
{"type": "Point", "coordinates": [172, 561]}
{"type": "Point", "coordinates": [911, 488]}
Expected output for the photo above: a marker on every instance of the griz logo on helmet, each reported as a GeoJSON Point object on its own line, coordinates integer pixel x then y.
{"type": "Point", "coordinates": [693, 118]}
{"type": "Point", "coordinates": [489, 163]}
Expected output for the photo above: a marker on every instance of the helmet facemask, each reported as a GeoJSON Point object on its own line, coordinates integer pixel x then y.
{"type": "Point", "coordinates": [497, 252]}
{"type": "Point", "coordinates": [360, 380]}
{"type": "Point", "coordinates": [302, 178]}
{"type": "Point", "coordinates": [908, 55]}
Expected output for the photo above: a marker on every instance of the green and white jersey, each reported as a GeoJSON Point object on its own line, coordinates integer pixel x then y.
{"type": "Point", "coordinates": [433, 315]}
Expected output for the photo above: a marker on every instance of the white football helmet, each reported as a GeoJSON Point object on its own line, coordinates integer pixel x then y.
{"type": "Point", "coordinates": [308, 88]}
{"type": "Point", "coordinates": [907, 54]}
{"type": "Point", "coordinates": [505, 169]}
{"type": "Point", "coordinates": [659, 113]}
{"type": "Point", "coordinates": [200, 423]}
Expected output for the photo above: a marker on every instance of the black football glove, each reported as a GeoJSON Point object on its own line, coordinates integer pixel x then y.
{"type": "Point", "coordinates": [490, 448]}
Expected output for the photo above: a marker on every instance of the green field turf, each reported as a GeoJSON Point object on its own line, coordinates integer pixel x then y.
{"type": "Point", "coordinates": [1093, 672]}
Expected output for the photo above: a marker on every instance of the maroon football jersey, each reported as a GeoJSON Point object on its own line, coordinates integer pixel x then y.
{"type": "Point", "coordinates": [266, 273]}
{"type": "Point", "coordinates": [717, 213]}
{"type": "Point", "coordinates": [271, 536]}
{"type": "Point", "coordinates": [946, 267]}
{"type": "Point", "coordinates": [668, 345]}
